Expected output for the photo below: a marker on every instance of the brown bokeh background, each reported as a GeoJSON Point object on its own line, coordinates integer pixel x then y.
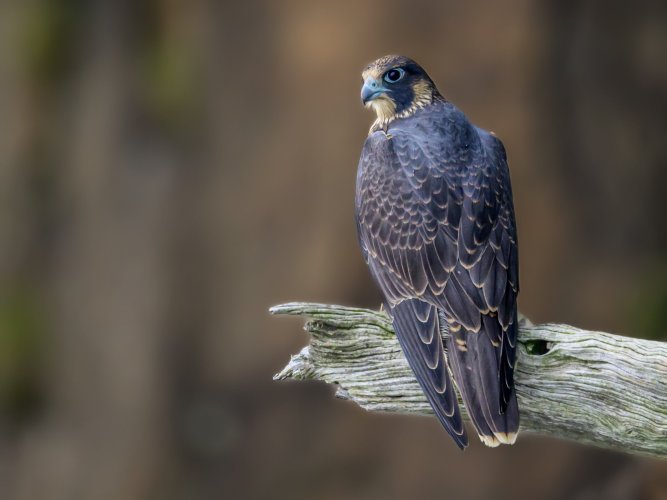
{"type": "Point", "coordinates": [171, 169]}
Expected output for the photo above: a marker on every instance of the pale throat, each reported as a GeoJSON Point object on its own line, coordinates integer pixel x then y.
{"type": "Point", "coordinates": [385, 112]}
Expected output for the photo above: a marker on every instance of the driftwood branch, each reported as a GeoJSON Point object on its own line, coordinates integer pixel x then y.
{"type": "Point", "coordinates": [592, 387]}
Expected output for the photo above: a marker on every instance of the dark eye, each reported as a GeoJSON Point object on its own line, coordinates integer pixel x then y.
{"type": "Point", "coordinates": [394, 75]}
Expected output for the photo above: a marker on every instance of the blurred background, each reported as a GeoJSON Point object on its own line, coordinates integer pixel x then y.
{"type": "Point", "coordinates": [169, 170]}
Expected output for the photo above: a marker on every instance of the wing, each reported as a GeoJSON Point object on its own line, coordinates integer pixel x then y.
{"type": "Point", "coordinates": [488, 267]}
{"type": "Point", "coordinates": [482, 356]}
{"type": "Point", "coordinates": [407, 217]}
{"type": "Point", "coordinates": [417, 328]}
{"type": "Point", "coordinates": [398, 233]}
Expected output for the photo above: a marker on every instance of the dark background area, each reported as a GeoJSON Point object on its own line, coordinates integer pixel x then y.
{"type": "Point", "coordinates": [169, 170]}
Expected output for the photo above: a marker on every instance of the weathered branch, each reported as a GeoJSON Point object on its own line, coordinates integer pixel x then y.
{"type": "Point", "coordinates": [592, 387]}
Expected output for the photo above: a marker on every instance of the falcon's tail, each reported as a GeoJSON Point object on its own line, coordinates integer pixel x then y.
{"type": "Point", "coordinates": [474, 360]}
{"type": "Point", "coordinates": [417, 326]}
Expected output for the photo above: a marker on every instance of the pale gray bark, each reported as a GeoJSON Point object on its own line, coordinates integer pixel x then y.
{"type": "Point", "coordinates": [592, 387]}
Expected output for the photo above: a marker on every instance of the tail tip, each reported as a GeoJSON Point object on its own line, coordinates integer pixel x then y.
{"type": "Point", "coordinates": [498, 438]}
{"type": "Point", "coordinates": [506, 437]}
{"type": "Point", "coordinates": [490, 441]}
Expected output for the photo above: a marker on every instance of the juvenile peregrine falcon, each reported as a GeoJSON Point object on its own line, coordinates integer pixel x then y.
{"type": "Point", "coordinates": [436, 226]}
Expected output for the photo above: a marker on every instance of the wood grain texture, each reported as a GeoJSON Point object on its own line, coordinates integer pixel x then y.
{"type": "Point", "coordinates": [592, 387]}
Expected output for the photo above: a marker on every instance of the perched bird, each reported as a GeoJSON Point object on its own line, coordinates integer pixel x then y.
{"type": "Point", "coordinates": [436, 226]}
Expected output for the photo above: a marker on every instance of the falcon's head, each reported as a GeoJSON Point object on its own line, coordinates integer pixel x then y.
{"type": "Point", "coordinates": [395, 87]}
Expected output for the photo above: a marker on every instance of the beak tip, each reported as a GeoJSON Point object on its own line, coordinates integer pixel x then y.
{"type": "Point", "coordinates": [371, 90]}
{"type": "Point", "coordinates": [366, 95]}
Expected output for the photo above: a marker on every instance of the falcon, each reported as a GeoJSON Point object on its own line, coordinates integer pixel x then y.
{"type": "Point", "coordinates": [436, 226]}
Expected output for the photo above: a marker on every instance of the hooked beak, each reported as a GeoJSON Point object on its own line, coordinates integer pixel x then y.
{"type": "Point", "coordinates": [372, 89]}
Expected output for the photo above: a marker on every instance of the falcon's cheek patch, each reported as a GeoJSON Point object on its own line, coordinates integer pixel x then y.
{"type": "Point", "coordinates": [422, 91]}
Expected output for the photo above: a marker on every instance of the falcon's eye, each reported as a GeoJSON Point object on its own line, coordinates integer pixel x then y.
{"type": "Point", "coordinates": [394, 75]}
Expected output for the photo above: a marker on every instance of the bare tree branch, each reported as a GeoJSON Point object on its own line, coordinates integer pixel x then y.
{"type": "Point", "coordinates": [592, 387]}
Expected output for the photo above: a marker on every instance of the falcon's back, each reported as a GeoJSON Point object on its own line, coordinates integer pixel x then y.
{"type": "Point", "coordinates": [436, 226]}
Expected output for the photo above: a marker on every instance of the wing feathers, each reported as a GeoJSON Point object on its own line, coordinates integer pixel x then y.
{"type": "Point", "coordinates": [427, 360]}
{"type": "Point", "coordinates": [474, 359]}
